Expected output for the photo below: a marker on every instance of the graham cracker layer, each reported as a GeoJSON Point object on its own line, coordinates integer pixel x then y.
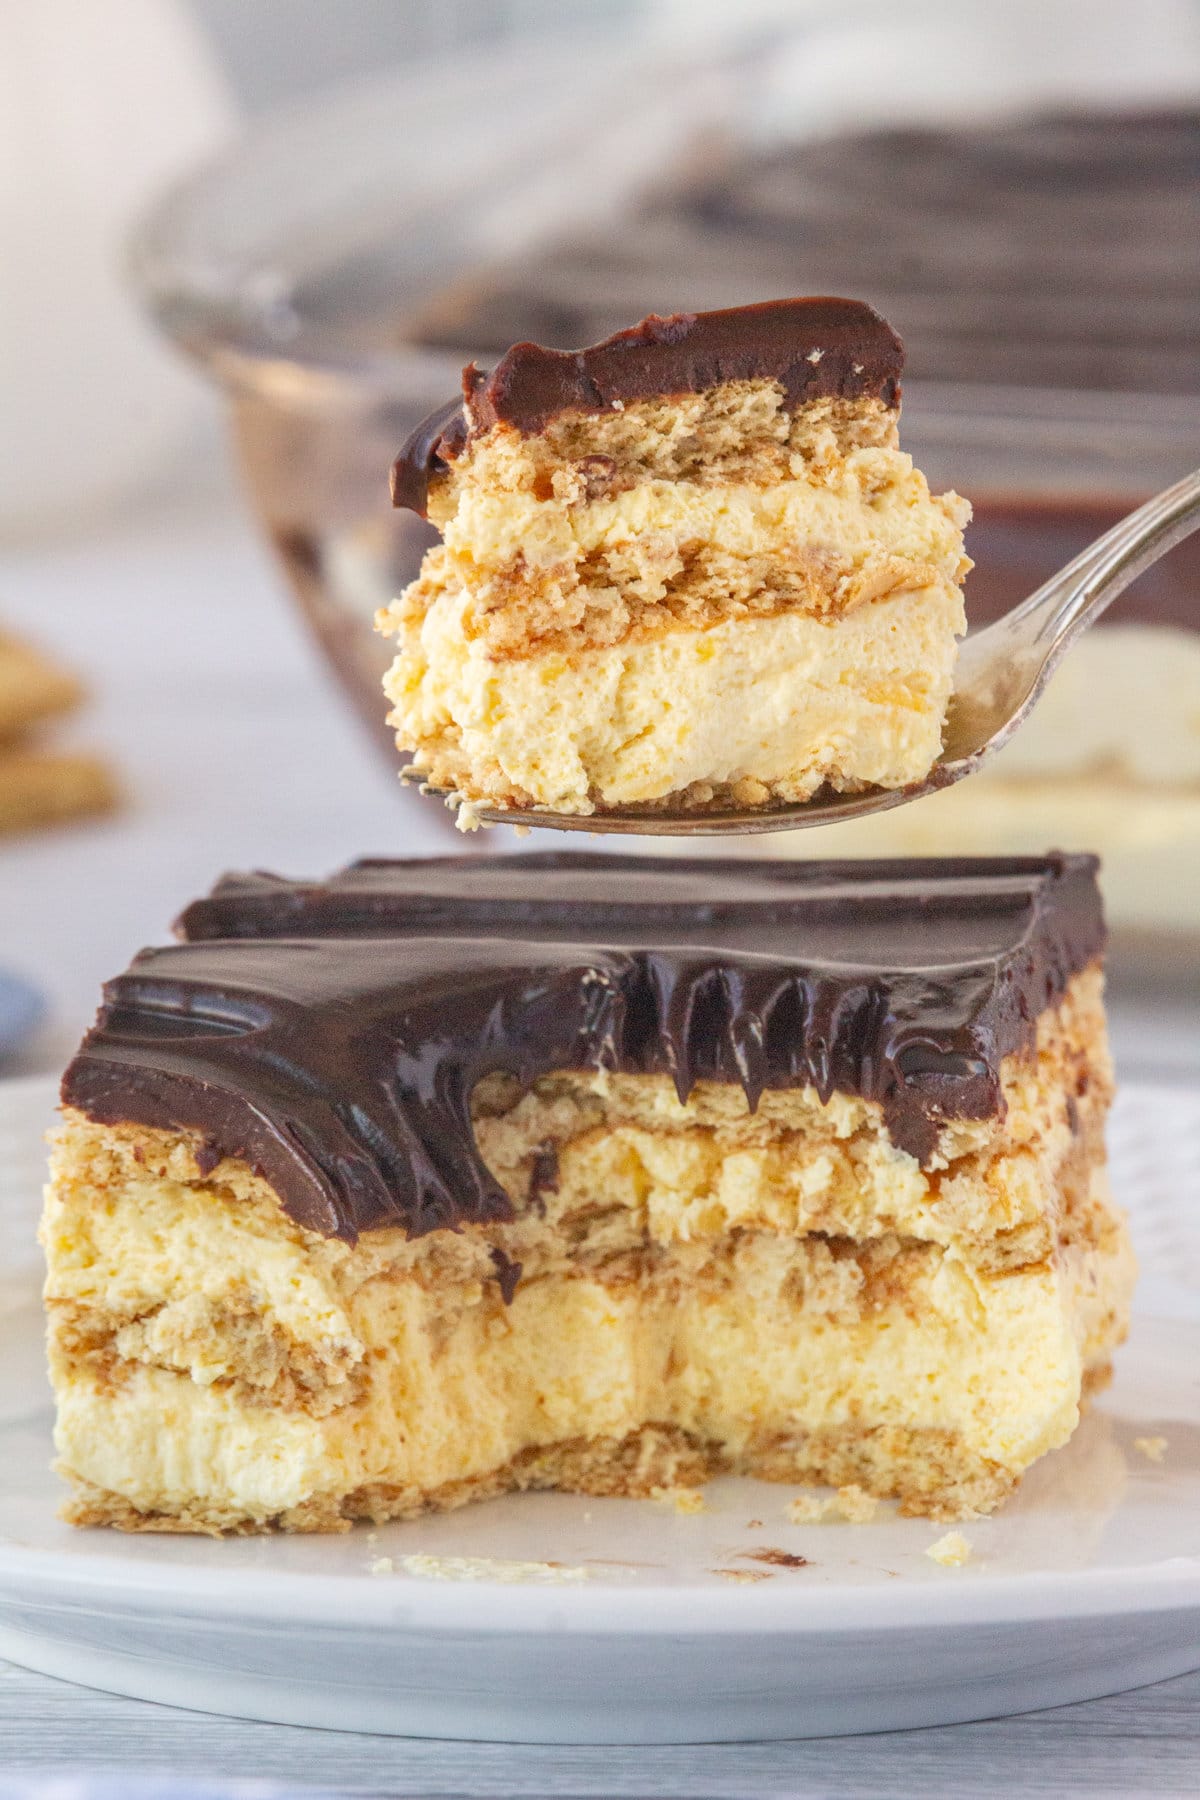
{"type": "Point", "coordinates": [933, 1474]}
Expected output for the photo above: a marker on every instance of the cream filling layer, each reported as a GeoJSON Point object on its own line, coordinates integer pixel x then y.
{"type": "Point", "coordinates": [877, 504]}
{"type": "Point", "coordinates": [789, 700]}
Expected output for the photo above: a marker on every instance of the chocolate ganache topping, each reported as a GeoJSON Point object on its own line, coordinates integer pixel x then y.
{"type": "Point", "coordinates": [330, 1034]}
{"type": "Point", "coordinates": [817, 347]}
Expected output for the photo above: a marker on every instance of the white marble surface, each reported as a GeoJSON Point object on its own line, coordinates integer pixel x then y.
{"type": "Point", "coordinates": [236, 752]}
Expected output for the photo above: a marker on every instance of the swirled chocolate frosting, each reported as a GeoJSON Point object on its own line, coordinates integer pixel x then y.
{"type": "Point", "coordinates": [330, 1034]}
{"type": "Point", "coordinates": [816, 348]}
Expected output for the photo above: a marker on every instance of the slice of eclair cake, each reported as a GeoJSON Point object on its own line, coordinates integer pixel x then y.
{"type": "Point", "coordinates": [686, 567]}
{"type": "Point", "coordinates": [441, 1179]}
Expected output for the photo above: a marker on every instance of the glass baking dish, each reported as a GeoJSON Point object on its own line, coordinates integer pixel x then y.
{"type": "Point", "coordinates": [337, 269]}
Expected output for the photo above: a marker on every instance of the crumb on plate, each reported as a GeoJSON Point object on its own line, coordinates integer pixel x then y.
{"type": "Point", "coordinates": [683, 1499]}
{"type": "Point", "coordinates": [490, 1568]}
{"type": "Point", "coordinates": [851, 1503]}
{"type": "Point", "coordinates": [952, 1551]}
{"type": "Point", "coordinates": [782, 1559]}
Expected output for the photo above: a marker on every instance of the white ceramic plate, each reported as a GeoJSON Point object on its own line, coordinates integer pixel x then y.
{"type": "Point", "coordinates": [1087, 1583]}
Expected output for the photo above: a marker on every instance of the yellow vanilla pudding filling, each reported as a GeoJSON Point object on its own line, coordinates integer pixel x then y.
{"type": "Point", "coordinates": [679, 597]}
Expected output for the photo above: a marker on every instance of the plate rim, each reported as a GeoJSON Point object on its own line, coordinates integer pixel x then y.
{"type": "Point", "coordinates": [415, 1606]}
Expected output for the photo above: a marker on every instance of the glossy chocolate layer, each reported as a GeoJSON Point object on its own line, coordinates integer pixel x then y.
{"type": "Point", "coordinates": [331, 1034]}
{"type": "Point", "coordinates": [816, 347]}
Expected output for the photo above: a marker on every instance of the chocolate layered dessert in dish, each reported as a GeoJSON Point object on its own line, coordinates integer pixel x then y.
{"type": "Point", "coordinates": [442, 1179]}
{"type": "Point", "coordinates": [686, 567]}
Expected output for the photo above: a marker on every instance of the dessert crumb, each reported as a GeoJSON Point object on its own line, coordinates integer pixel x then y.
{"type": "Point", "coordinates": [489, 1568]}
{"type": "Point", "coordinates": [753, 1524]}
{"type": "Point", "coordinates": [782, 1559]}
{"type": "Point", "coordinates": [952, 1551]}
{"type": "Point", "coordinates": [1152, 1448]}
{"type": "Point", "coordinates": [855, 1504]}
{"type": "Point", "coordinates": [382, 1565]}
{"type": "Point", "coordinates": [467, 817]}
{"type": "Point", "coordinates": [684, 1500]}
{"type": "Point", "coordinates": [806, 1509]}
{"type": "Point", "coordinates": [851, 1503]}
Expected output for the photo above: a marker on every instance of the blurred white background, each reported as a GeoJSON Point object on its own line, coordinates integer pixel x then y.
{"type": "Point", "coordinates": [272, 50]}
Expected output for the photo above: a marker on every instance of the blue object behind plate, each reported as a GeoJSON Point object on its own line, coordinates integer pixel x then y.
{"type": "Point", "coordinates": [21, 1008]}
